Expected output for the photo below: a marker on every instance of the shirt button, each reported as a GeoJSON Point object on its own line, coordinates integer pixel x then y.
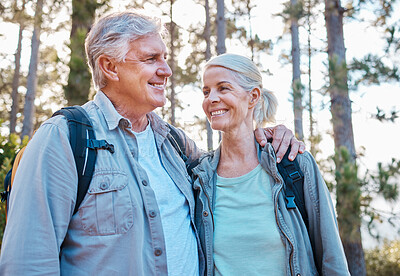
{"type": "Point", "coordinates": [157, 252]}
{"type": "Point", "coordinates": [144, 182]}
{"type": "Point", "coordinates": [152, 214]}
{"type": "Point", "coordinates": [205, 213]}
{"type": "Point", "coordinates": [103, 185]}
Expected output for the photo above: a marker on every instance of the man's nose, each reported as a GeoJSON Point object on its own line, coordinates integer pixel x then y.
{"type": "Point", "coordinates": [164, 70]}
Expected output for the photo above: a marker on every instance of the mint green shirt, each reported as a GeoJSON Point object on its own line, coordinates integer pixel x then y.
{"type": "Point", "coordinates": [246, 237]}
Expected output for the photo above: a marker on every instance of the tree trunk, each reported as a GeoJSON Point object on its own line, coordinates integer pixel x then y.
{"type": "Point", "coordinates": [31, 84]}
{"type": "Point", "coordinates": [15, 82]}
{"type": "Point", "coordinates": [296, 82]}
{"type": "Point", "coordinates": [251, 40]}
{"type": "Point", "coordinates": [78, 87]}
{"type": "Point", "coordinates": [348, 208]}
{"type": "Point", "coordinates": [221, 28]}
{"type": "Point", "coordinates": [221, 35]}
{"type": "Point", "coordinates": [207, 37]}
{"type": "Point", "coordinates": [313, 149]}
{"type": "Point", "coordinates": [172, 65]}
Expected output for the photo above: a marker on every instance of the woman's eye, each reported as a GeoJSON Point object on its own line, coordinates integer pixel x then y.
{"type": "Point", "coordinates": [222, 88]}
{"type": "Point", "coordinates": [205, 93]}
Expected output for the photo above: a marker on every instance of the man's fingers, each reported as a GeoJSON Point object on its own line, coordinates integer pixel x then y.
{"type": "Point", "coordinates": [294, 149]}
{"type": "Point", "coordinates": [302, 147]}
{"type": "Point", "coordinates": [260, 136]}
{"type": "Point", "coordinates": [278, 138]}
{"type": "Point", "coordinates": [280, 152]}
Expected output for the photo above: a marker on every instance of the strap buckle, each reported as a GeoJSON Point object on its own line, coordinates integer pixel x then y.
{"type": "Point", "coordinates": [290, 204]}
{"type": "Point", "coordinates": [295, 176]}
{"type": "Point", "coordinates": [100, 144]}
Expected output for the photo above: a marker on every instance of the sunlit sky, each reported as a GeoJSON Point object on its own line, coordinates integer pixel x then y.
{"type": "Point", "coordinates": [380, 140]}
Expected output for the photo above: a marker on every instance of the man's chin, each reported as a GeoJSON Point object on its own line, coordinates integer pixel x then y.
{"type": "Point", "coordinates": [160, 103]}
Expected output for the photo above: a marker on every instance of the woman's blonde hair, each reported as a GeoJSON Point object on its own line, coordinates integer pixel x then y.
{"type": "Point", "coordinates": [248, 77]}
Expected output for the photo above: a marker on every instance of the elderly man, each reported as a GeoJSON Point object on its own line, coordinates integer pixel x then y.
{"type": "Point", "coordinates": [137, 216]}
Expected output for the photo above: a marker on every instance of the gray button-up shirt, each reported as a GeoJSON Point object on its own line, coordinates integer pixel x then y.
{"type": "Point", "coordinates": [116, 230]}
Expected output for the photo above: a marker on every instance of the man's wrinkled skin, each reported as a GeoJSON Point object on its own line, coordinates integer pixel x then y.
{"type": "Point", "coordinates": [282, 137]}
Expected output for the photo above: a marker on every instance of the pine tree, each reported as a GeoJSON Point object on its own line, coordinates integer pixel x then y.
{"type": "Point", "coordinates": [348, 191]}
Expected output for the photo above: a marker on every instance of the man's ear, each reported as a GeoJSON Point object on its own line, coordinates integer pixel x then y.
{"type": "Point", "coordinates": [109, 68]}
{"type": "Point", "coordinates": [255, 95]}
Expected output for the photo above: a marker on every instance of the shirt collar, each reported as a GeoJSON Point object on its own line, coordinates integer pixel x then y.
{"type": "Point", "coordinates": [112, 117]}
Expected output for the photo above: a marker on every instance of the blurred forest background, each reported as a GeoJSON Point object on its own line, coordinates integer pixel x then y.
{"type": "Point", "coordinates": [331, 64]}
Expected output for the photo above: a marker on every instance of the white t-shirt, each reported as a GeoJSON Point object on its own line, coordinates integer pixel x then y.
{"type": "Point", "coordinates": [180, 240]}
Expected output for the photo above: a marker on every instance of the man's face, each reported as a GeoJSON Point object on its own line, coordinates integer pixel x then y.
{"type": "Point", "coordinates": [143, 75]}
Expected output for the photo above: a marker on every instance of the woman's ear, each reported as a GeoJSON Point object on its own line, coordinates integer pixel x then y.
{"type": "Point", "coordinates": [255, 95]}
{"type": "Point", "coordinates": [108, 67]}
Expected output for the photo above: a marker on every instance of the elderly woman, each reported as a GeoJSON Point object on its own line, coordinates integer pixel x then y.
{"type": "Point", "coordinates": [240, 201]}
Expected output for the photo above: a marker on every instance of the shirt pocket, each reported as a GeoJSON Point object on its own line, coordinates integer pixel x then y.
{"type": "Point", "coordinates": [107, 209]}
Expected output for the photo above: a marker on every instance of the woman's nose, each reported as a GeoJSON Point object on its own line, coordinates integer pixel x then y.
{"type": "Point", "coordinates": [213, 97]}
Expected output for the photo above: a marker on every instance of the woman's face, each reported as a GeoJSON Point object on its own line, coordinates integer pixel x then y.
{"type": "Point", "coordinates": [227, 105]}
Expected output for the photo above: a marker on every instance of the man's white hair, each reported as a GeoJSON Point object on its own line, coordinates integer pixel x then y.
{"type": "Point", "coordinates": [112, 35]}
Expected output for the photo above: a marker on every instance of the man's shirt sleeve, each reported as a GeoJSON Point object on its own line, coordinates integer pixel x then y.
{"type": "Point", "coordinates": [41, 203]}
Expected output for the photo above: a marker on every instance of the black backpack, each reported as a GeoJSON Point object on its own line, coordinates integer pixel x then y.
{"type": "Point", "coordinates": [84, 147]}
{"type": "Point", "coordinates": [294, 185]}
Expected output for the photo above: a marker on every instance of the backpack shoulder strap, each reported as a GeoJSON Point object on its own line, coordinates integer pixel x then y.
{"type": "Point", "coordinates": [179, 146]}
{"type": "Point", "coordinates": [294, 185]}
{"type": "Point", "coordinates": [81, 132]}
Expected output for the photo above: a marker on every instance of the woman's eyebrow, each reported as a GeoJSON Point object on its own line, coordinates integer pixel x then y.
{"type": "Point", "coordinates": [222, 82]}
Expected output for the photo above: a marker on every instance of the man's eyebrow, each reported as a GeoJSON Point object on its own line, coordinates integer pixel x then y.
{"type": "Point", "coordinates": [153, 54]}
{"type": "Point", "coordinates": [148, 54]}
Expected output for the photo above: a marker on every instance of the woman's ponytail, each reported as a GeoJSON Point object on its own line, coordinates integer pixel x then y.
{"type": "Point", "coordinates": [265, 110]}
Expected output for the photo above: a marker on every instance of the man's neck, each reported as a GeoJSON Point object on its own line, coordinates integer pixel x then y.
{"type": "Point", "coordinates": [127, 109]}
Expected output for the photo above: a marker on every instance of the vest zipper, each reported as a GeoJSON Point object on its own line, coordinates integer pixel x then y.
{"type": "Point", "coordinates": [277, 222]}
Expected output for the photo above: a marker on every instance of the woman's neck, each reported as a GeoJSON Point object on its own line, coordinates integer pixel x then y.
{"type": "Point", "coordinates": [238, 154]}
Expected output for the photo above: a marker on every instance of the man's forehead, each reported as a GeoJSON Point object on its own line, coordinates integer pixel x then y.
{"type": "Point", "coordinates": [149, 45]}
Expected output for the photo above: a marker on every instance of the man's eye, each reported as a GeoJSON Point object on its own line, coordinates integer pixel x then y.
{"type": "Point", "coordinates": [222, 88]}
{"type": "Point", "coordinates": [205, 93]}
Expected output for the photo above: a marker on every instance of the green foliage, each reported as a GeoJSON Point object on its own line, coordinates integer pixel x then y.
{"type": "Point", "coordinates": [337, 73]}
{"type": "Point", "coordinates": [348, 191]}
{"type": "Point", "coordinates": [383, 116]}
{"type": "Point", "coordinates": [383, 178]}
{"type": "Point", "coordinates": [384, 261]}
{"type": "Point", "coordinates": [9, 147]}
{"type": "Point", "coordinates": [372, 70]}
{"type": "Point", "coordinates": [290, 11]}
{"type": "Point", "coordinates": [393, 37]}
